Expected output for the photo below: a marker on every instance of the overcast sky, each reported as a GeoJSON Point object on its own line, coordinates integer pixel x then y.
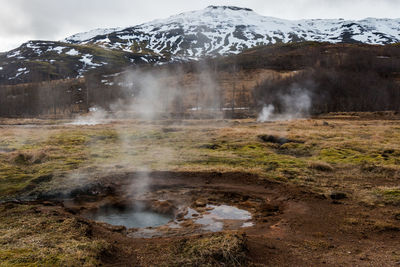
{"type": "Point", "coordinates": [23, 20]}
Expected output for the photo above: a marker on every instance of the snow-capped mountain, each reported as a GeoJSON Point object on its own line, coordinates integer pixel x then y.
{"type": "Point", "coordinates": [215, 30]}
{"type": "Point", "coordinates": [36, 61]}
{"type": "Point", "coordinates": [221, 30]}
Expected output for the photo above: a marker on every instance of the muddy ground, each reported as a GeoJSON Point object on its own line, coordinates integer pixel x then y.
{"type": "Point", "coordinates": [325, 195]}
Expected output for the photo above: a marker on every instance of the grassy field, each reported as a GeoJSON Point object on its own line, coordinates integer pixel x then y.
{"type": "Point", "coordinates": [358, 159]}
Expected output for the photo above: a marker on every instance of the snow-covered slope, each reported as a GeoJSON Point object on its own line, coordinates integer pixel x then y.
{"type": "Point", "coordinates": [90, 34]}
{"type": "Point", "coordinates": [44, 60]}
{"type": "Point", "coordinates": [221, 30]}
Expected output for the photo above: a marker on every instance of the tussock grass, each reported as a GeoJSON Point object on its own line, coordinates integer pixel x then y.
{"type": "Point", "coordinates": [30, 237]}
{"type": "Point", "coordinates": [386, 227]}
{"type": "Point", "coordinates": [223, 249]}
{"type": "Point", "coordinates": [28, 158]}
{"type": "Point", "coordinates": [320, 166]}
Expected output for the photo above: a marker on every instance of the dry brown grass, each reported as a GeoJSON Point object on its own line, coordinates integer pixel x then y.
{"type": "Point", "coordinates": [348, 155]}
{"type": "Point", "coordinates": [321, 166]}
{"type": "Point", "coordinates": [223, 249]}
{"type": "Point", "coordinates": [30, 236]}
{"type": "Point", "coordinates": [359, 157]}
{"type": "Point", "coordinates": [27, 158]}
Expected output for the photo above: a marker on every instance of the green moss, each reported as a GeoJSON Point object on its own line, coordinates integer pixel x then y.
{"type": "Point", "coordinates": [296, 149]}
{"type": "Point", "coordinates": [395, 193]}
{"type": "Point", "coordinates": [250, 156]}
{"type": "Point", "coordinates": [349, 156]}
{"type": "Point", "coordinates": [64, 152]}
{"type": "Point", "coordinates": [389, 195]}
{"type": "Point", "coordinates": [69, 139]}
{"type": "Point", "coordinates": [109, 135]}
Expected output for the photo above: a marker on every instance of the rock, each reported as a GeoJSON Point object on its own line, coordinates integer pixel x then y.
{"type": "Point", "coordinates": [210, 146]}
{"type": "Point", "coordinates": [338, 195]}
{"type": "Point", "coordinates": [163, 206]}
{"type": "Point", "coordinates": [48, 203]}
{"type": "Point", "coordinates": [200, 202]}
{"type": "Point", "coordinates": [269, 209]}
{"type": "Point", "coordinates": [278, 140]}
{"type": "Point", "coordinates": [180, 216]}
{"type": "Point", "coordinates": [114, 228]}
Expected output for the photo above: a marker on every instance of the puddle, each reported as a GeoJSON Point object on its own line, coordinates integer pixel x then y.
{"type": "Point", "coordinates": [129, 217]}
{"type": "Point", "coordinates": [215, 218]}
{"type": "Point", "coordinates": [211, 218]}
{"type": "Point", "coordinates": [247, 224]}
{"type": "Point", "coordinates": [210, 224]}
{"type": "Point", "coordinates": [225, 212]}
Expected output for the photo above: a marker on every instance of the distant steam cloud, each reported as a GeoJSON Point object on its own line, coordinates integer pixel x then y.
{"type": "Point", "coordinates": [95, 116]}
{"type": "Point", "coordinates": [151, 91]}
{"type": "Point", "coordinates": [266, 113]}
{"type": "Point", "coordinates": [294, 104]}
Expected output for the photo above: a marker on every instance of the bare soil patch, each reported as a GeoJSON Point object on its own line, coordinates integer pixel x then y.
{"type": "Point", "coordinates": [292, 226]}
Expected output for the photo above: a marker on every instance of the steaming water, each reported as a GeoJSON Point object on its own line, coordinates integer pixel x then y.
{"type": "Point", "coordinates": [89, 121]}
{"type": "Point", "coordinates": [130, 218]}
{"type": "Point", "coordinates": [85, 122]}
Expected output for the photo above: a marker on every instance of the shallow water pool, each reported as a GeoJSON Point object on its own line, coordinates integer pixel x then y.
{"type": "Point", "coordinates": [129, 217]}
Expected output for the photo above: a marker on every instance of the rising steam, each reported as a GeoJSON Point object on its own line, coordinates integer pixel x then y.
{"type": "Point", "coordinates": [95, 116]}
{"type": "Point", "coordinates": [295, 104]}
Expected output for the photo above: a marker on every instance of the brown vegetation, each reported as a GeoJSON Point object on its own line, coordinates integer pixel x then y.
{"type": "Point", "coordinates": [339, 77]}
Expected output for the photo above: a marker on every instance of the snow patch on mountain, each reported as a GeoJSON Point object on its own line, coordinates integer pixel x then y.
{"type": "Point", "coordinates": [59, 49]}
{"type": "Point", "coordinates": [72, 52]}
{"type": "Point", "coordinates": [20, 71]}
{"type": "Point", "coordinates": [14, 54]}
{"type": "Point", "coordinates": [79, 37]}
{"type": "Point", "coordinates": [87, 60]}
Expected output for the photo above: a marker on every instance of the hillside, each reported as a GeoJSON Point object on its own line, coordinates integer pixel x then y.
{"type": "Point", "coordinates": [335, 77]}
{"type": "Point", "coordinates": [37, 61]}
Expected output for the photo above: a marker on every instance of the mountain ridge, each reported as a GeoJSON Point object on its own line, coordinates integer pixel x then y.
{"type": "Point", "coordinates": [238, 29]}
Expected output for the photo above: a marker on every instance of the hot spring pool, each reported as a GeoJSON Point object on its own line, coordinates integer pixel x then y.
{"type": "Point", "coordinates": [129, 217]}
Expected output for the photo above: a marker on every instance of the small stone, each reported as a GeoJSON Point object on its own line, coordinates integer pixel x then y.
{"type": "Point", "coordinates": [338, 195]}
{"type": "Point", "coordinates": [200, 202]}
{"type": "Point", "coordinates": [180, 216]}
